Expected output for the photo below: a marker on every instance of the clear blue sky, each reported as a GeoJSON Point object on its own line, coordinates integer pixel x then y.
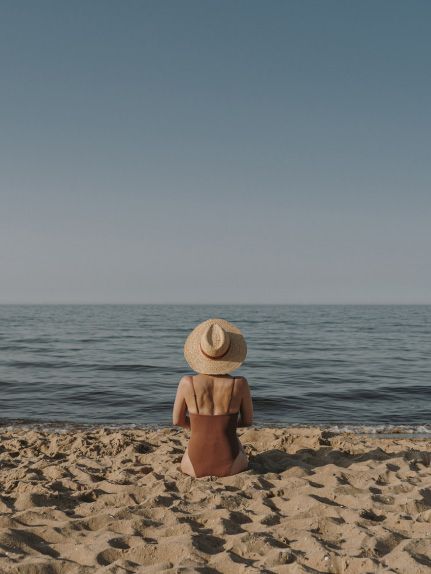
{"type": "Point", "coordinates": [215, 151]}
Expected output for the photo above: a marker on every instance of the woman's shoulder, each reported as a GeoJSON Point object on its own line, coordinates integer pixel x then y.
{"type": "Point", "coordinates": [240, 381]}
{"type": "Point", "coordinates": [186, 381]}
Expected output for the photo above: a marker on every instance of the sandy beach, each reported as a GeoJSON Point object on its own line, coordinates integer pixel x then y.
{"type": "Point", "coordinates": [106, 500]}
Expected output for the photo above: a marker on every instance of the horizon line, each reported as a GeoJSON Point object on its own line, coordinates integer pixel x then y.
{"type": "Point", "coordinates": [185, 304]}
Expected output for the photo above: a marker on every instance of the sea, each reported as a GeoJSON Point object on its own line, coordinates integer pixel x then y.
{"type": "Point", "coordinates": [361, 367]}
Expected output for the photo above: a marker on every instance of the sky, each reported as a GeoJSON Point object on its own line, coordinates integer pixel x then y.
{"type": "Point", "coordinates": [215, 151]}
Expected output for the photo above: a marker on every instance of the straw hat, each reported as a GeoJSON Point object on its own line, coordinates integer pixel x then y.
{"type": "Point", "coordinates": [215, 347]}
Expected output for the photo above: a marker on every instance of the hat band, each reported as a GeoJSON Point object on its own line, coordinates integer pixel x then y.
{"type": "Point", "coordinates": [215, 358]}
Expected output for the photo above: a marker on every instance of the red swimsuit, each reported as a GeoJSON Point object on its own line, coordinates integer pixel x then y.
{"type": "Point", "coordinates": [213, 444]}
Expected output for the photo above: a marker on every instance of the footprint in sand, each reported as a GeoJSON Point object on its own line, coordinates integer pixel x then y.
{"type": "Point", "coordinates": [371, 515]}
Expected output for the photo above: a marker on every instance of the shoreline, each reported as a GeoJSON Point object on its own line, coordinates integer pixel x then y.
{"type": "Point", "coordinates": [114, 500]}
{"type": "Point", "coordinates": [378, 430]}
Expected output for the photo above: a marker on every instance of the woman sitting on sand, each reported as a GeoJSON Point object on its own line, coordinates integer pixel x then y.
{"type": "Point", "coordinates": [213, 400]}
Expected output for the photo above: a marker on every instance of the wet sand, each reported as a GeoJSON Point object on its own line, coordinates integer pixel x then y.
{"type": "Point", "coordinates": [107, 500]}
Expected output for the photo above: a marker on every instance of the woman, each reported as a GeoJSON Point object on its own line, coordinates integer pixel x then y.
{"type": "Point", "coordinates": [213, 400]}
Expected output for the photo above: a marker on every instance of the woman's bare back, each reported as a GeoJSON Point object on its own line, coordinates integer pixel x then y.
{"type": "Point", "coordinates": [216, 395]}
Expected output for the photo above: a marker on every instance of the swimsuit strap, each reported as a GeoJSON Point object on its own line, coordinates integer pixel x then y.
{"type": "Point", "coordinates": [231, 394]}
{"type": "Point", "coordinates": [194, 392]}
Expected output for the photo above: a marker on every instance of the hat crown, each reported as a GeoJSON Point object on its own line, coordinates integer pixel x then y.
{"type": "Point", "coordinates": [215, 347]}
{"type": "Point", "coordinates": [215, 341]}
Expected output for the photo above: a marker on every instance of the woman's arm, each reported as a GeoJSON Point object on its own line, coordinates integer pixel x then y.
{"type": "Point", "coordinates": [246, 408]}
{"type": "Point", "coordinates": [179, 417]}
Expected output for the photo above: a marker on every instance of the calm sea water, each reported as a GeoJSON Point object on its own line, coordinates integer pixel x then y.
{"type": "Point", "coordinates": [355, 365]}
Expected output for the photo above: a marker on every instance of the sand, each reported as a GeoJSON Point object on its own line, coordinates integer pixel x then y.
{"type": "Point", "coordinates": [114, 501]}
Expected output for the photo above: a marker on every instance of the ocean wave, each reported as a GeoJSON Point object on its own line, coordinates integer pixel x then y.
{"type": "Point", "coordinates": [131, 367]}
{"type": "Point", "coordinates": [382, 431]}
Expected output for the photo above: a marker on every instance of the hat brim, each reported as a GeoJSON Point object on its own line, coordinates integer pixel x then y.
{"type": "Point", "coordinates": [229, 362]}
